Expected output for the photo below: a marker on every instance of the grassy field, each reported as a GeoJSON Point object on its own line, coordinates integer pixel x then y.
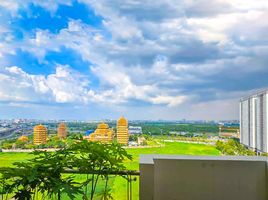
{"type": "Point", "coordinates": [119, 184]}
{"type": "Point", "coordinates": [7, 159]}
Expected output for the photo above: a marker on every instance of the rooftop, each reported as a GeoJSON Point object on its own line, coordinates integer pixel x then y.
{"type": "Point", "coordinates": [255, 94]}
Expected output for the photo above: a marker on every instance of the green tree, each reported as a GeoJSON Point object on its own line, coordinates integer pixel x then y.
{"type": "Point", "coordinates": [233, 147]}
{"type": "Point", "coordinates": [7, 145]}
{"type": "Point", "coordinates": [20, 144]}
{"type": "Point", "coordinates": [43, 174]}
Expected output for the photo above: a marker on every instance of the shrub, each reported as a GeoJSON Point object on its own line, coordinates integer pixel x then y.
{"type": "Point", "coordinates": [43, 173]}
{"type": "Point", "coordinates": [233, 147]}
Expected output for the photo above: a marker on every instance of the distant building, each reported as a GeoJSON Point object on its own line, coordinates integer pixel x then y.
{"type": "Point", "coordinates": [132, 143]}
{"type": "Point", "coordinates": [228, 131]}
{"type": "Point", "coordinates": [132, 130]}
{"type": "Point", "coordinates": [183, 133]}
{"type": "Point", "coordinates": [40, 134]}
{"type": "Point", "coordinates": [180, 133]}
{"type": "Point", "coordinates": [254, 121]}
{"type": "Point", "coordinates": [102, 134]}
{"type": "Point", "coordinates": [62, 131]}
{"type": "Point", "coordinates": [122, 131]}
{"type": "Point", "coordinates": [23, 138]}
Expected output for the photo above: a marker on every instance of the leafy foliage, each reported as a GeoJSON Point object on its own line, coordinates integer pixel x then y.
{"type": "Point", "coordinates": [43, 173]}
{"type": "Point", "coordinates": [233, 147]}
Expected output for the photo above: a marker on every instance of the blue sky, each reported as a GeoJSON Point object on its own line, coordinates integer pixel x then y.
{"type": "Point", "coordinates": [165, 59]}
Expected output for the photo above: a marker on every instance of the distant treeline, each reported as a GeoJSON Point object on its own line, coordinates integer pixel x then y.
{"type": "Point", "coordinates": [150, 128]}
{"type": "Point", "coordinates": [157, 129]}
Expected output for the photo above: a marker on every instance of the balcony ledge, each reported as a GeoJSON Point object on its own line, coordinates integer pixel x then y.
{"type": "Point", "coordinates": [203, 177]}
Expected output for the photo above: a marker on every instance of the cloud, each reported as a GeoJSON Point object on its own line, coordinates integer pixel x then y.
{"type": "Point", "coordinates": [146, 59]}
{"type": "Point", "coordinates": [64, 86]}
{"type": "Point", "coordinates": [215, 110]}
{"type": "Point", "coordinates": [164, 52]}
{"type": "Point", "coordinates": [15, 5]}
{"type": "Point", "coordinates": [12, 6]}
{"type": "Point", "coordinates": [170, 101]}
{"type": "Point", "coordinates": [69, 86]}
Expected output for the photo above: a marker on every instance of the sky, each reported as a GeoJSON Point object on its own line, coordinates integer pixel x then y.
{"type": "Point", "coordinates": [144, 59]}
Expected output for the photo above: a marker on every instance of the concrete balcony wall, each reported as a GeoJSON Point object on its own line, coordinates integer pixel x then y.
{"type": "Point", "coordinates": [147, 181]}
{"type": "Point", "coordinates": [203, 178]}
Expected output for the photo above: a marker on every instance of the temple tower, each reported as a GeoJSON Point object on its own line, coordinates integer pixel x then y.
{"type": "Point", "coordinates": [62, 131]}
{"type": "Point", "coordinates": [122, 131]}
{"type": "Point", "coordinates": [40, 134]}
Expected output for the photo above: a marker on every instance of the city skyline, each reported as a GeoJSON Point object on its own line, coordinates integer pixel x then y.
{"type": "Point", "coordinates": [85, 59]}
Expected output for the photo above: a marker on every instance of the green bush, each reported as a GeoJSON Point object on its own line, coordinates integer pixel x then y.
{"type": "Point", "coordinates": [233, 147]}
{"type": "Point", "coordinates": [43, 174]}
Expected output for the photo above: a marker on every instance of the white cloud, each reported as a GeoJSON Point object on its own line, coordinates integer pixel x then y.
{"type": "Point", "coordinates": [124, 89]}
{"type": "Point", "coordinates": [65, 86]}
{"type": "Point", "coordinates": [6, 38]}
{"type": "Point", "coordinates": [220, 28]}
{"type": "Point", "coordinates": [159, 52]}
{"type": "Point", "coordinates": [215, 110]}
{"type": "Point", "coordinates": [68, 86]}
{"type": "Point", "coordinates": [145, 60]}
{"type": "Point", "coordinates": [169, 100]}
{"type": "Point", "coordinates": [245, 5]}
{"type": "Point", "coordinates": [14, 5]}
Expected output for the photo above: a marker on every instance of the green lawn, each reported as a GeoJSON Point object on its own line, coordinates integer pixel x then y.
{"type": "Point", "coordinates": [175, 148]}
{"type": "Point", "coordinates": [119, 184]}
{"type": "Point", "coordinates": [7, 159]}
{"type": "Point", "coordinates": [119, 187]}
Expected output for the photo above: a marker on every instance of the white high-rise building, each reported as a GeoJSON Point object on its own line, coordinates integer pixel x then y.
{"type": "Point", "coordinates": [254, 121]}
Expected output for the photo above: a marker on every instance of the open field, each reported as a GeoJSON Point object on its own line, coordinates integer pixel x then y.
{"type": "Point", "coordinates": [119, 184]}
{"type": "Point", "coordinates": [119, 187]}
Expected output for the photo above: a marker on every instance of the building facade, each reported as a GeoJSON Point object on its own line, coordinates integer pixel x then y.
{"type": "Point", "coordinates": [122, 131]}
{"type": "Point", "coordinates": [228, 131]}
{"type": "Point", "coordinates": [102, 134]}
{"type": "Point", "coordinates": [135, 130]}
{"type": "Point", "coordinates": [40, 134]}
{"type": "Point", "coordinates": [62, 131]}
{"type": "Point", "coordinates": [254, 121]}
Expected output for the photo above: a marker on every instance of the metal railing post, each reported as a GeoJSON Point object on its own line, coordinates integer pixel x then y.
{"type": "Point", "coordinates": [127, 188]}
{"type": "Point", "coordinates": [130, 187]}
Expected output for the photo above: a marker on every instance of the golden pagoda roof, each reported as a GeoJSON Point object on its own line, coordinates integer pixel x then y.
{"type": "Point", "coordinates": [122, 121]}
{"type": "Point", "coordinates": [40, 127]}
{"type": "Point", "coordinates": [103, 126]}
{"type": "Point", "coordinates": [23, 138]}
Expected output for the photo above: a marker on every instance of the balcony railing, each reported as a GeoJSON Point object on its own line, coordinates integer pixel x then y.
{"type": "Point", "coordinates": [190, 178]}
{"type": "Point", "coordinates": [128, 175]}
